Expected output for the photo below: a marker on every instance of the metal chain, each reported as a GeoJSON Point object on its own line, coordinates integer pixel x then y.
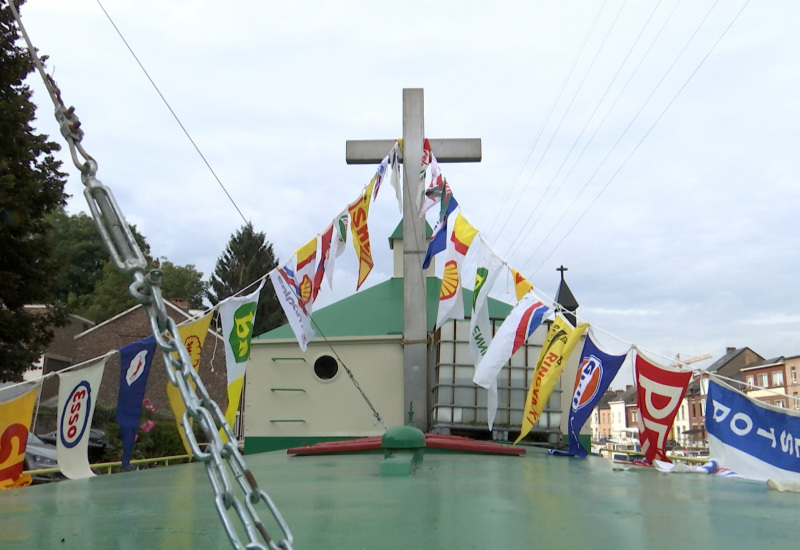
{"type": "Point", "coordinates": [219, 458]}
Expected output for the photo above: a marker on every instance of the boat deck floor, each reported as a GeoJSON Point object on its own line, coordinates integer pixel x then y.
{"type": "Point", "coordinates": [451, 501]}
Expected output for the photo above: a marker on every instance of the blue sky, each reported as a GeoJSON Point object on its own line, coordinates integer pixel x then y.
{"type": "Point", "coordinates": [647, 146]}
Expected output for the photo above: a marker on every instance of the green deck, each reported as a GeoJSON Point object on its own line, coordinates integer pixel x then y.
{"type": "Point", "coordinates": [452, 501]}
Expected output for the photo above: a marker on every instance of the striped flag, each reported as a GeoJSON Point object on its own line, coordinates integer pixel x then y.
{"type": "Point", "coordinates": [438, 242]}
{"type": "Point", "coordinates": [526, 317]}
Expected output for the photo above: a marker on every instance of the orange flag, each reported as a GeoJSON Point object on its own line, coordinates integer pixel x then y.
{"type": "Point", "coordinates": [359, 211]}
{"type": "Point", "coordinates": [521, 284]}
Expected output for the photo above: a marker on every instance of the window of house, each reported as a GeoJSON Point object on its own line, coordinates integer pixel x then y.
{"type": "Point", "coordinates": [777, 378]}
{"type": "Point", "coordinates": [702, 408]}
{"type": "Point", "coordinates": [763, 380]}
{"type": "Point", "coordinates": [694, 409]}
{"type": "Point", "coordinates": [796, 402]}
{"type": "Point", "coordinates": [780, 403]}
{"type": "Point", "coordinates": [793, 373]}
{"type": "Point", "coordinates": [749, 380]}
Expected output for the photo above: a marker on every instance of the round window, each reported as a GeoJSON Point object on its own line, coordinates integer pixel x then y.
{"type": "Point", "coordinates": [326, 368]}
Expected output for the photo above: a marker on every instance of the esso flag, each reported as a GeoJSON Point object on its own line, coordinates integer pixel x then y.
{"type": "Point", "coordinates": [77, 396]}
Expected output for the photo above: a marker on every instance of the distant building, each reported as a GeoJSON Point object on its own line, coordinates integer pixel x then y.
{"type": "Point", "coordinates": [766, 381]}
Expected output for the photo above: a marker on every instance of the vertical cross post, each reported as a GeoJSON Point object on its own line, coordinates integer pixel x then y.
{"type": "Point", "coordinates": [415, 313]}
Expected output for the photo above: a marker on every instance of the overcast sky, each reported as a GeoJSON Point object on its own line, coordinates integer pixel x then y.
{"type": "Point", "coordinates": [650, 147]}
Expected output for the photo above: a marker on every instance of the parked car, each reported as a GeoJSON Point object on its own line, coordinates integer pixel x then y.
{"type": "Point", "coordinates": [40, 456]}
{"type": "Point", "coordinates": [97, 443]}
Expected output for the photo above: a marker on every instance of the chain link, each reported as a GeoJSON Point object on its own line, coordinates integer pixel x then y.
{"type": "Point", "coordinates": [218, 458]}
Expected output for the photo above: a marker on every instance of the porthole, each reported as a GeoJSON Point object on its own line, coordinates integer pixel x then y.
{"type": "Point", "coordinates": [326, 368]}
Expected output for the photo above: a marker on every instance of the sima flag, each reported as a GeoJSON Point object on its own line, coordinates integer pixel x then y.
{"type": "Point", "coordinates": [525, 318]}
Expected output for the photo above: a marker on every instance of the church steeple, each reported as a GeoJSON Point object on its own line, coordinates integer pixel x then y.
{"type": "Point", "coordinates": [566, 299]}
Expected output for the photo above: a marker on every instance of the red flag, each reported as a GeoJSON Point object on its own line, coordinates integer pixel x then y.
{"type": "Point", "coordinates": [659, 392]}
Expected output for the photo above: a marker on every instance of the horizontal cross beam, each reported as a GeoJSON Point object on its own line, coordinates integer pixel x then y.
{"type": "Point", "coordinates": [372, 151]}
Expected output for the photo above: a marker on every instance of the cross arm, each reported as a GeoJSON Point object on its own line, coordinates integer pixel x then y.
{"type": "Point", "coordinates": [372, 151]}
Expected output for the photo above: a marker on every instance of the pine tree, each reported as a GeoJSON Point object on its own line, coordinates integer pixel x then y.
{"type": "Point", "coordinates": [31, 186]}
{"type": "Point", "coordinates": [246, 259]}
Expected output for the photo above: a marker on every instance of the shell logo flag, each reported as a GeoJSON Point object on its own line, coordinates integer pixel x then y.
{"type": "Point", "coordinates": [558, 345]}
{"type": "Point", "coordinates": [451, 302]}
{"type": "Point", "coordinates": [16, 412]}
{"type": "Point", "coordinates": [521, 284]}
{"type": "Point", "coordinates": [193, 336]}
{"type": "Point", "coordinates": [304, 272]}
{"type": "Point", "coordinates": [359, 211]}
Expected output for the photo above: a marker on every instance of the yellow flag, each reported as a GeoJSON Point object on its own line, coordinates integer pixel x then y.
{"type": "Point", "coordinates": [521, 284]}
{"type": "Point", "coordinates": [359, 211]}
{"type": "Point", "coordinates": [193, 336]}
{"type": "Point", "coordinates": [557, 347]}
{"type": "Point", "coordinates": [15, 421]}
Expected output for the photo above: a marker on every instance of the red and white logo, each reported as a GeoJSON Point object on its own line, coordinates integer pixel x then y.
{"type": "Point", "coordinates": [136, 367]}
{"type": "Point", "coordinates": [75, 415]}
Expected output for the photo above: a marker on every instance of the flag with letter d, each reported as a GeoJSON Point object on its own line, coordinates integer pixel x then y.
{"type": "Point", "coordinates": [16, 413]}
{"type": "Point", "coordinates": [659, 392]}
{"type": "Point", "coordinates": [77, 397]}
{"type": "Point", "coordinates": [525, 318]}
{"type": "Point", "coordinates": [238, 316]}
{"type": "Point", "coordinates": [134, 361]}
{"type": "Point", "coordinates": [558, 345]}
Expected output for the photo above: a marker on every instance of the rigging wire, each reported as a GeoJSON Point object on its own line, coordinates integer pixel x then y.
{"type": "Point", "coordinates": [535, 142]}
{"type": "Point", "coordinates": [567, 112]}
{"type": "Point", "coordinates": [525, 229]}
{"type": "Point", "coordinates": [174, 115]}
{"type": "Point", "coordinates": [647, 133]}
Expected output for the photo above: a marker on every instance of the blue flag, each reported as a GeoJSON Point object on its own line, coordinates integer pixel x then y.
{"type": "Point", "coordinates": [439, 239]}
{"type": "Point", "coordinates": [595, 374]}
{"type": "Point", "coordinates": [134, 360]}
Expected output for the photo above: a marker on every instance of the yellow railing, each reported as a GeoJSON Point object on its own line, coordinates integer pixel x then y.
{"type": "Point", "coordinates": [105, 467]}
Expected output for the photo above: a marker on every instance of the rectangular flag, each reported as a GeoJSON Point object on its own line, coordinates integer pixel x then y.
{"type": "Point", "coordinates": [596, 372]}
{"type": "Point", "coordinates": [451, 301]}
{"type": "Point", "coordinates": [359, 212]}
{"type": "Point", "coordinates": [238, 315]}
{"type": "Point", "coordinates": [77, 396]}
{"type": "Point", "coordinates": [134, 362]}
{"type": "Point", "coordinates": [285, 285]}
{"type": "Point", "coordinates": [16, 413]}
{"type": "Point", "coordinates": [480, 327]}
{"type": "Point", "coordinates": [438, 242]}
{"type": "Point", "coordinates": [526, 317]}
{"type": "Point", "coordinates": [755, 440]}
{"type": "Point", "coordinates": [659, 391]}
{"type": "Point", "coordinates": [305, 272]}
{"type": "Point", "coordinates": [558, 345]}
{"type": "Point", "coordinates": [193, 336]}
{"type": "Point", "coordinates": [521, 284]}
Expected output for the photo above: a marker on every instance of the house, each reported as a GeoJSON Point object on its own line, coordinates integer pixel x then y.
{"type": "Point", "coordinates": [133, 325]}
{"type": "Point", "coordinates": [766, 381]}
{"type": "Point", "coordinates": [601, 416]}
{"type": "Point", "coordinates": [792, 383]}
{"type": "Point", "coordinates": [353, 371]}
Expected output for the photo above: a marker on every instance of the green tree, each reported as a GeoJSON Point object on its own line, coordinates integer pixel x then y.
{"type": "Point", "coordinates": [183, 283]}
{"type": "Point", "coordinates": [31, 186]}
{"type": "Point", "coordinates": [247, 258]}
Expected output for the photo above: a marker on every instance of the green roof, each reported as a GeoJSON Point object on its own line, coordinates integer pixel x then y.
{"type": "Point", "coordinates": [377, 311]}
{"type": "Point", "coordinates": [398, 232]}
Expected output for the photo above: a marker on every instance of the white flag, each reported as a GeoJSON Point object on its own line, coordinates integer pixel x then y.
{"type": "Point", "coordinates": [480, 328]}
{"type": "Point", "coordinates": [77, 396]}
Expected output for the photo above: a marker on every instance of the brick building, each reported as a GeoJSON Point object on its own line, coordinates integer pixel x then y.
{"type": "Point", "coordinates": [133, 325]}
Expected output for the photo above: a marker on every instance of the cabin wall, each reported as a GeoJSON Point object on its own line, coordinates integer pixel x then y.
{"type": "Point", "coordinates": [287, 404]}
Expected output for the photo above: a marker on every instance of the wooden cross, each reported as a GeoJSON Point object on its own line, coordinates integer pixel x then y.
{"type": "Point", "coordinates": [415, 322]}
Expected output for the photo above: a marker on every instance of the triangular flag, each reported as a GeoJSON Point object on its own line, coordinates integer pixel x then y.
{"type": "Point", "coordinates": [134, 362]}
{"type": "Point", "coordinates": [359, 211]}
{"type": "Point", "coordinates": [521, 284]}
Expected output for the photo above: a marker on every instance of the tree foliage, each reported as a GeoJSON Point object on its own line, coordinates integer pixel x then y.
{"type": "Point", "coordinates": [31, 186]}
{"type": "Point", "coordinates": [247, 258]}
{"type": "Point", "coordinates": [183, 283]}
